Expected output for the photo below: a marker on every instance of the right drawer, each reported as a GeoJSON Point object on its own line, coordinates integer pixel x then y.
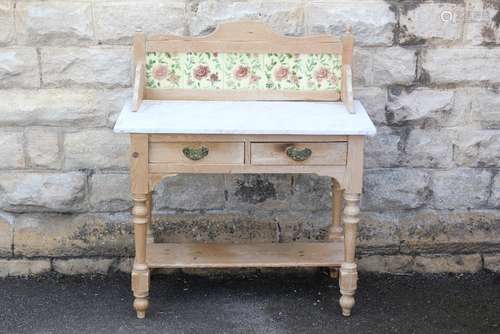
{"type": "Point", "coordinates": [294, 153]}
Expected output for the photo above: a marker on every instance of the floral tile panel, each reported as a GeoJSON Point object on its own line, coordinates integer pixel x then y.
{"type": "Point", "coordinates": [243, 71]}
{"type": "Point", "coordinates": [248, 71]}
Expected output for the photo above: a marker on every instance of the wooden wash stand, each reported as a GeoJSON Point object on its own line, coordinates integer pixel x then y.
{"type": "Point", "coordinates": [245, 100]}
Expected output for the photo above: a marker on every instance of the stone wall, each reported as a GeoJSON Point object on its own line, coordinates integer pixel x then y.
{"type": "Point", "coordinates": [428, 72]}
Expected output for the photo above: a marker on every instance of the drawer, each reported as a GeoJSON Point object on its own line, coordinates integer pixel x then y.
{"type": "Point", "coordinates": [197, 152]}
{"type": "Point", "coordinates": [325, 153]}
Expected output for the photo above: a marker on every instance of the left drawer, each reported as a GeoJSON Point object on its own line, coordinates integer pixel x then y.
{"type": "Point", "coordinates": [197, 152]}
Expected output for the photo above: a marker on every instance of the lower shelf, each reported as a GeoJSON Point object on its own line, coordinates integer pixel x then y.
{"type": "Point", "coordinates": [202, 255]}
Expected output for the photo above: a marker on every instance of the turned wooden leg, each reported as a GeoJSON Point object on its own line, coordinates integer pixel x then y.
{"type": "Point", "coordinates": [348, 270]}
{"type": "Point", "coordinates": [336, 227]}
{"type": "Point", "coordinates": [140, 271]}
{"type": "Point", "coordinates": [149, 204]}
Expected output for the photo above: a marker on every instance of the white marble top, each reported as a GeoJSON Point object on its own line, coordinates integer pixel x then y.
{"type": "Point", "coordinates": [245, 117]}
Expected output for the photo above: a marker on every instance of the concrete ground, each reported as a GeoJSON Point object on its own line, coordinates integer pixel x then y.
{"type": "Point", "coordinates": [263, 303]}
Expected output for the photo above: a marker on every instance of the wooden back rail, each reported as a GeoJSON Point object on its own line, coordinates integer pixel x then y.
{"type": "Point", "coordinates": [252, 39]}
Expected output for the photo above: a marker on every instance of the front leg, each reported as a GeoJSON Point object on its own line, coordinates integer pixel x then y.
{"type": "Point", "coordinates": [140, 271]}
{"type": "Point", "coordinates": [149, 205]}
{"type": "Point", "coordinates": [335, 233]}
{"type": "Point", "coordinates": [348, 270]}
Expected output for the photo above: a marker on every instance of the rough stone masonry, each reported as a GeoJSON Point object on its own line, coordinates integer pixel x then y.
{"type": "Point", "coordinates": [427, 71]}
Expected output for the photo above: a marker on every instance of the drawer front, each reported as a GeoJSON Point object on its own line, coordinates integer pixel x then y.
{"type": "Point", "coordinates": [197, 153]}
{"type": "Point", "coordinates": [331, 153]}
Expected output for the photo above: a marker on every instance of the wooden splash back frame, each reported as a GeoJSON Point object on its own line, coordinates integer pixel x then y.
{"type": "Point", "coordinates": [246, 36]}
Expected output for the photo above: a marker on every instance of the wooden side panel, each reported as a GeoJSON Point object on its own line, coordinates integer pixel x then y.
{"type": "Point", "coordinates": [347, 53]}
{"type": "Point", "coordinates": [275, 153]}
{"type": "Point", "coordinates": [218, 153]}
{"type": "Point", "coordinates": [139, 164]}
{"type": "Point", "coordinates": [354, 172]}
{"type": "Point", "coordinates": [138, 86]}
{"type": "Point", "coordinates": [139, 47]}
{"type": "Point", "coordinates": [347, 49]}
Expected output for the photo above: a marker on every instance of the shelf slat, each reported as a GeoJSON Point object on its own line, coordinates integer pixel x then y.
{"type": "Point", "coordinates": [210, 255]}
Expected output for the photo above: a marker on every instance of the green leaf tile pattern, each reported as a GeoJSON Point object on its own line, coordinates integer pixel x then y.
{"type": "Point", "coordinates": [245, 71]}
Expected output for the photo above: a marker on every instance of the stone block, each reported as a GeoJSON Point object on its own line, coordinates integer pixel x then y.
{"type": "Point", "coordinates": [382, 150]}
{"type": "Point", "coordinates": [11, 148]}
{"type": "Point", "coordinates": [383, 66]}
{"type": "Point", "coordinates": [372, 22]}
{"type": "Point", "coordinates": [393, 264]}
{"type": "Point", "coordinates": [478, 148]}
{"type": "Point", "coordinates": [88, 67]}
{"type": "Point", "coordinates": [395, 189]}
{"type": "Point", "coordinates": [110, 192]}
{"type": "Point", "coordinates": [285, 17]}
{"type": "Point", "coordinates": [461, 65]}
{"type": "Point", "coordinates": [460, 188]}
{"type": "Point", "coordinates": [7, 31]}
{"type": "Point", "coordinates": [485, 106]}
{"type": "Point", "coordinates": [482, 22]}
{"type": "Point", "coordinates": [494, 200]}
{"type": "Point", "coordinates": [73, 235]}
{"type": "Point", "coordinates": [431, 22]}
{"type": "Point", "coordinates": [6, 234]}
{"type": "Point", "coordinates": [213, 227]}
{"type": "Point", "coordinates": [60, 107]}
{"type": "Point", "coordinates": [394, 65]}
{"type": "Point", "coordinates": [25, 191]}
{"type": "Point", "coordinates": [449, 232]}
{"type": "Point", "coordinates": [249, 192]}
{"type": "Point", "coordinates": [23, 267]}
{"type": "Point", "coordinates": [423, 106]}
{"type": "Point", "coordinates": [448, 264]}
{"type": "Point", "coordinates": [116, 21]}
{"type": "Point", "coordinates": [310, 192]}
{"type": "Point", "coordinates": [19, 68]}
{"type": "Point", "coordinates": [362, 63]}
{"type": "Point", "coordinates": [42, 147]}
{"type": "Point", "coordinates": [429, 148]}
{"type": "Point", "coordinates": [125, 265]}
{"type": "Point", "coordinates": [374, 100]}
{"type": "Point", "coordinates": [492, 262]}
{"type": "Point", "coordinates": [190, 192]}
{"type": "Point", "coordinates": [302, 226]}
{"type": "Point", "coordinates": [113, 101]}
{"type": "Point", "coordinates": [378, 233]}
{"type": "Point", "coordinates": [96, 148]}
{"type": "Point", "coordinates": [54, 22]}
{"type": "Point", "coordinates": [82, 266]}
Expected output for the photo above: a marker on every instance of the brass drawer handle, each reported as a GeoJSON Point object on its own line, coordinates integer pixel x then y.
{"type": "Point", "coordinates": [193, 153]}
{"type": "Point", "coordinates": [297, 154]}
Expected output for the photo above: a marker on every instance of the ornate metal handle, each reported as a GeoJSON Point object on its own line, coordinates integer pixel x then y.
{"type": "Point", "coordinates": [297, 154]}
{"type": "Point", "coordinates": [197, 153]}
